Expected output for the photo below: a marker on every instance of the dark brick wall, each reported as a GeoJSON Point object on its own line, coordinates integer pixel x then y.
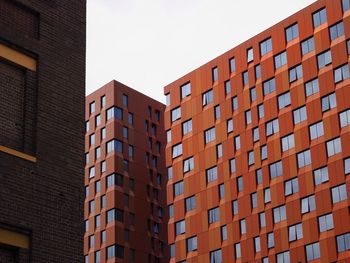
{"type": "Point", "coordinates": [46, 197]}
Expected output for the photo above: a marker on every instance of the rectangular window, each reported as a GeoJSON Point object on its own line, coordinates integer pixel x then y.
{"type": "Point", "coordinates": [284, 100]}
{"type": "Point", "coordinates": [252, 93]}
{"type": "Point", "coordinates": [103, 101]}
{"type": "Point", "coordinates": [229, 125]}
{"type": "Point", "coordinates": [178, 188]}
{"type": "Point", "coordinates": [339, 193]}
{"type": "Point", "coordinates": [279, 214]}
{"type": "Point", "coordinates": [185, 90]}
{"type": "Point", "coordinates": [227, 87]}
{"type": "Point", "coordinates": [308, 204]}
{"type": "Point", "coordinates": [312, 251]}
{"type": "Point", "coordinates": [250, 55]}
{"type": "Point", "coordinates": [212, 174]}
{"type": "Point", "coordinates": [232, 63]}
{"type": "Point", "coordinates": [261, 111]}
{"type": "Point", "coordinates": [263, 152]}
{"type": "Point", "coordinates": [130, 118]}
{"type": "Point", "coordinates": [177, 150]}
{"type": "Point", "coordinates": [275, 169]}
{"type": "Point", "coordinates": [248, 117]}
{"type": "Point", "coordinates": [92, 107]}
{"type": "Point", "coordinates": [344, 118]}
{"type": "Point", "coordinates": [232, 166]}
{"type": "Point", "coordinates": [219, 151]}
{"type": "Point", "coordinates": [180, 227]}
{"type": "Point", "coordinates": [258, 176]}
{"type": "Point", "coordinates": [242, 227]}
{"type": "Point", "coordinates": [254, 200]}
{"type": "Point", "coordinates": [299, 115]}
{"type": "Point", "coordinates": [341, 73]}
{"type": "Point", "coordinates": [324, 59]}
{"type": "Point", "coordinates": [316, 130]}
{"type": "Point", "coordinates": [325, 223]}
{"type": "Point", "coordinates": [287, 142]}
{"type": "Point", "coordinates": [175, 114]}
{"type": "Point", "coordinates": [190, 203]}
{"type": "Point", "coordinates": [217, 112]}
{"type": "Point", "coordinates": [257, 72]}
{"type": "Point", "coordinates": [283, 257]}
{"type": "Point", "coordinates": [235, 207]}
{"type": "Point", "coordinates": [336, 30]}
{"type": "Point", "coordinates": [221, 191]}
{"type": "Point", "coordinates": [333, 147]}
{"type": "Point", "coordinates": [234, 103]}
{"type": "Point", "coordinates": [237, 251]}
{"type": "Point", "coordinates": [256, 136]}
{"type": "Point", "coordinates": [245, 78]}
{"type": "Point", "coordinates": [269, 86]}
{"type": "Point", "coordinates": [280, 59]}
{"type": "Point", "coordinates": [213, 215]}
{"type": "Point", "coordinates": [172, 250]}
{"type": "Point", "coordinates": [191, 244]}
{"type": "Point", "coordinates": [207, 97]}
{"type": "Point", "coordinates": [328, 102]}
{"type": "Point", "coordinates": [307, 45]}
{"type": "Point", "coordinates": [125, 100]}
{"type": "Point", "coordinates": [295, 232]}
{"type": "Point", "coordinates": [167, 99]}
{"type": "Point", "coordinates": [262, 220]}
{"type": "Point", "coordinates": [291, 187]}
{"type": "Point", "coordinates": [267, 195]}
{"type": "Point", "coordinates": [265, 46]}
{"type": "Point", "coordinates": [209, 135]}
{"type": "Point", "coordinates": [239, 184]}
{"type": "Point", "coordinates": [321, 175]}
{"type": "Point", "coordinates": [186, 127]}
{"type": "Point", "coordinates": [272, 127]}
{"type": "Point", "coordinates": [110, 252]}
{"type": "Point", "coordinates": [347, 166]}
{"type": "Point", "coordinates": [251, 158]}
{"type": "Point", "coordinates": [215, 74]}
{"type": "Point", "coordinates": [292, 32]}
{"type": "Point", "coordinates": [304, 158]}
{"type": "Point", "coordinates": [216, 256]}
{"type": "Point", "coordinates": [114, 112]}
{"type": "Point", "coordinates": [115, 146]}
{"type": "Point", "coordinates": [271, 240]}
{"type": "Point", "coordinates": [223, 233]}
{"type": "Point", "coordinates": [319, 17]}
{"type": "Point", "coordinates": [312, 87]}
{"type": "Point", "coordinates": [188, 165]}
{"type": "Point", "coordinates": [345, 5]}
{"type": "Point", "coordinates": [343, 242]}
{"type": "Point", "coordinates": [110, 216]}
{"type": "Point", "coordinates": [295, 73]}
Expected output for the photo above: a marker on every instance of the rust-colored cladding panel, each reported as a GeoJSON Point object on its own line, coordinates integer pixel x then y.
{"type": "Point", "coordinates": [137, 231]}
{"type": "Point", "coordinates": [287, 194]}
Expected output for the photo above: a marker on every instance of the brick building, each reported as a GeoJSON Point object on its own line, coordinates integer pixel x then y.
{"type": "Point", "coordinates": [125, 201]}
{"type": "Point", "coordinates": [42, 78]}
{"type": "Point", "coordinates": [258, 146]}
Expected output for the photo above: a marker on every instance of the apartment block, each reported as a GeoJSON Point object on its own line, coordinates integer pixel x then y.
{"type": "Point", "coordinates": [125, 177]}
{"type": "Point", "coordinates": [42, 91]}
{"type": "Point", "coordinates": [258, 147]}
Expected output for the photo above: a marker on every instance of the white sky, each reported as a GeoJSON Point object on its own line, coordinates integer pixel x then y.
{"type": "Point", "coordinates": [147, 44]}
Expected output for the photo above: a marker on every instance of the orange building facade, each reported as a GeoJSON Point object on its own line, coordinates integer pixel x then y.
{"type": "Point", "coordinates": [258, 147]}
{"type": "Point", "coordinates": [125, 203]}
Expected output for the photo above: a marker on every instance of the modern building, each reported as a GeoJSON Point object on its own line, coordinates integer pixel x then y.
{"type": "Point", "coordinates": [258, 147]}
{"type": "Point", "coordinates": [42, 91]}
{"type": "Point", "coordinates": [125, 177]}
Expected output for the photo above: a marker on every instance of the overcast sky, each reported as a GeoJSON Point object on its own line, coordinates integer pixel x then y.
{"type": "Point", "coordinates": [147, 44]}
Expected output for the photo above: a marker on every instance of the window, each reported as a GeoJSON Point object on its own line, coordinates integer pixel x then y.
{"type": "Point", "coordinates": [336, 30]}
{"type": "Point", "coordinates": [213, 215]}
{"type": "Point", "coordinates": [157, 113]}
{"type": "Point", "coordinates": [345, 5]}
{"type": "Point", "coordinates": [292, 32]}
{"type": "Point", "coordinates": [251, 158]}
{"type": "Point", "coordinates": [257, 247]}
{"type": "Point", "coordinates": [237, 143]}
{"type": "Point", "coordinates": [347, 166]}
{"type": "Point", "coordinates": [242, 227]}
{"type": "Point", "coordinates": [125, 132]}
{"type": "Point", "coordinates": [343, 242]}
{"type": "Point", "coordinates": [284, 100]}
{"type": "Point", "coordinates": [97, 120]}
{"type": "Point", "coordinates": [110, 252]}
{"type": "Point", "coordinates": [239, 184]}
{"type": "Point", "coordinates": [279, 214]}
{"type": "Point", "coordinates": [295, 73]}
{"type": "Point", "coordinates": [229, 124]}
{"type": "Point", "coordinates": [232, 63]}
{"type": "Point", "coordinates": [311, 87]}
{"type": "Point", "coordinates": [131, 151]}
{"type": "Point", "coordinates": [269, 86]}
{"type": "Point", "coordinates": [232, 166]}
{"type": "Point", "coordinates": [114, 145]}
{"type": "Point", "coordinates": [178, 188]}
{"type": "Point", "coordinates": [333, 147]}
{"type": "Point", "coordinates": [256, 135]}
{"type": "Point", "coordinates": [221, 191]}
{"type": "Point", "coordinates": [254, 200]}
{"type": "Point", "coordinates": [280, 59]}
{"type": "Point", "coordinates": [190, 203]}
{"type": "Point", "coordinates": [216, 256]}
{"type": "Point", "coordinates": [312, 251]}
{"type": "Point", "coordinates": [287, 142]}
{"type": "Point", "coordinates": [215, 74]}
{"type": "Point", "coordinates": [319, 17]}
{"type": "Point", "coordinates": [299, 115]}
{"type": "Point", "coordinates": [344, 118]}
{"type": "Point", "coordinates": [103, 201]}
{"type": "Point", "coordinates": [91, 241]}
{"type": "Point", "coordinates": [235, 207]}
{"type": "Point", "coordinates": [324, 59]}
{"type": "Point", "coordinates": [223, 233]}
{"type": "Point", "coordinates": [304, 158]}
{"type": "Point", "coordinates": [339, 193]}
{"type": "Point", "coordinates": [263, 152]}
{"type": "Point", "coordinates": [103, 236]}
{"type": "Point", "coordinates": [245, 78]}
{"type": "Point", "coordinates": [103, 166]}
{"type": "Point", "coordinates": [267, 195]}
{"type": "Point", "coordinates": [186, 90]}
{"type": "Point", "coordinates": [217, 112]}
{"type": "Point", "coordinates": [191, 244]}
{"type": "Point", "coordinates": [92, 172]}
{"type": "Point", "coordinates": [308, 204]}
{"type": "Point", "coordinates": [98, 186]}
{"type": "Point", "coordinates": [325, 223]}
{"type": "Point", "coordinates": [188, 165]}
{"type": "Point", "coordinates": [219, 151]}
{"type": "Point", "coordinates": [103, 134]}
{"type": "Point", "coordinates": [114, 112]}
{"type": "Point", "coordinates": [175, 114]}
{"type": "Point", "coordinates": [180, 227]}
{"type": "Point", "coordinates": [103, 101]}
{"type": "Point", "coordinates": [110, 217]}
{"type": "Point", "coordinates": [321, 175]}
{"type": "Point", "coordinates": [271, 240]}
{"type": "Point", "coordinates": [258, 176]}
{"type": "Point", "coordinates": [92, 139]}
{"type": "Point", "coordinates": [248, 117]}
{"type": "Point", "coordinates": [87, 126]}
{"type": "Point", "coordinates": [212, 174]}
{"type": "Point", "coordinates": [262, 220]}
{"type": "Point", "coordinates": [167, 99]}
{"type": "Point", "coordinates": [177, 150]}
{"type": "Point", "coordinates": [316, 130]}
{"type": "Point", "coordinates": [272, 127]}
{"type": "Point", "coordinates": [168, 136]}
{"type": "Point", "coordinates": [186, 127]}
{"type": "Point", "coordinates": [238, 250]}
{"type": "Point", "coordinates": [125, 100]}
{"type": "Point", "coordinates": [172, 250]}
{"type": "Point", "coordinates": [234, 103]}
{"type": "Point", "coordinates": [207, 97]}
{"type": "Point", "coordinates": [328, 102]}
{"type": "Point", "coordinates": [341, 73]}
{"type": "Point", "coordinates": [283, 257]}
{"type": "Point", "coordinates": [257, 72]}
{"type": "Point", "coordinates": [265, 46]}
{"type": "Point", "coordinates": [97, 152]}
{"type": "Point", "coordinates": [227, 87]}
{"type": "Point", "coordinates": [307, 45]}
{"type": "Point", "coordinates": [250, 55]}
{"type": "Point", "coordinates": [252, 92]}
{"type": "Point", "coordinates": [130, 118]}
{"type": "Point", "coordinates": [261, 111]}
{"type": "Point", "coordinates": [92, 107]}
{"type": "Point", "coordinates": [291, 187]}
{"type": "Point", "coordinates": [170, 172]}
{"type": "Point", "coordinates": [348, 45]}
{"type": "Point", "coordinates": [209, 135]}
